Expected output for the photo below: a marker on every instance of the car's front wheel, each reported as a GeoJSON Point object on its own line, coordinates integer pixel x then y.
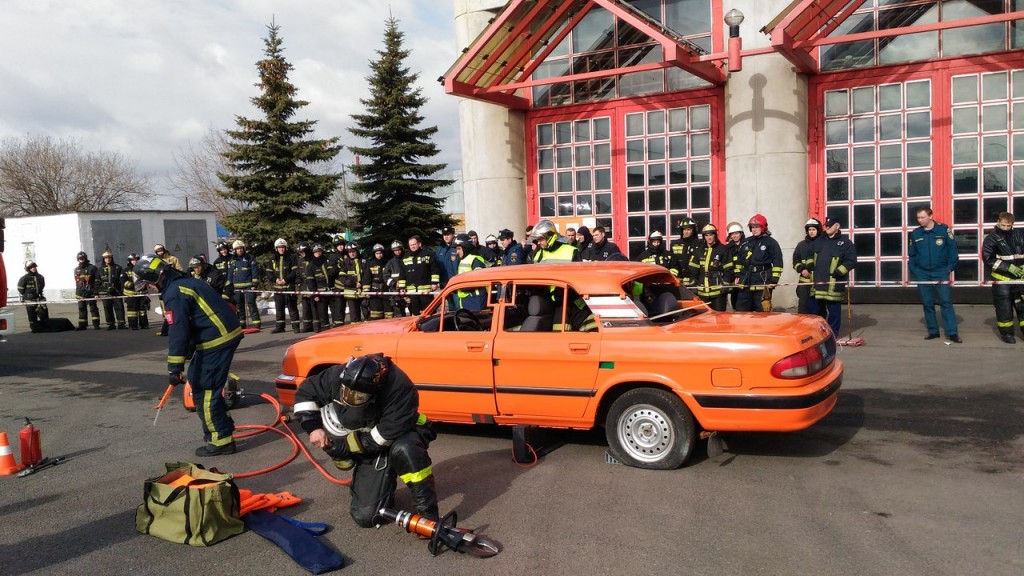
{"type": "Point", "coordinates": [650, 428]}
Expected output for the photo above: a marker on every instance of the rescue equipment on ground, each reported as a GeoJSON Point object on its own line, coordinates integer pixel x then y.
{"type": "Point", "coordinates": [443, 532]}
{"type": "Point", "coordinates": [163, 401]}
{"type": "Point", "coordinates": [44, 463]}
{"type": "Point", "coordinates": [8, 465]}
{"type": "Point", "coordinates": [231, 392]}
{"type": "Point", "coordinates": [297, 540]}
{"type": "Point", "coordinates": [31, 447]}
{"type": "Point", "coordinates": [190, 505]}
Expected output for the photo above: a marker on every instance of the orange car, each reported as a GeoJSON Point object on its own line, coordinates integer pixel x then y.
{"type": "Point", "coordinates": [613, 344]}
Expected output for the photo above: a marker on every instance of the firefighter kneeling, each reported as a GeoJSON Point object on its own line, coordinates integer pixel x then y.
{"type": "Point", "coordinates": [366, 414]}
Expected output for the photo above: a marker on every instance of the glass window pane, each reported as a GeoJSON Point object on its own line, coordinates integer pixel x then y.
{"type": "Point", "coordinates": [677, 147]}
{"type": "Point", "coordinates": [994, 148]}
{"type": "Point", "coordinates": [865, 244]}
{"type": "Point", "coordinates": [602, 154]}
{"type": "Point", "coordinates": [890, 186]}
{"type": "Point", "coordinates": [582, 156]}
{"type": "Point", "coordinates": [965, 120]}
{"type": "Point", "coordinates": [700, 144]}
{"type": "Point", "coordinates": [1018, 146]}
{"type": "Point", "coordinates": [656, 122]}
{"type": "Point", "coordinates": [1018, 79]}
{"type": "Point", "coordinates": [634, 150]}
{"type": "Point", "coordinates": [565, 181]}
{"type": "Point", "coordinates": [566, 205]}
{"type": "Point", "coordinates": [919, 124]}
{"type": "Point", "coordinates": [656, 199]}
{"type": "Point", "coordinates": [700, 171]}
{"type": "Point", "coordinates": [545, 159]}
{"type": "Point", "coordinates": [656, 174]}
{"type": "Point", "coordinates": [864, 100]}
{"type": "Point", "coordinates": [584, 205]}
{"type": "Point", "coordinates": [994, 86]}
{"type": "Point", "coordinates": [546, 183]}
{"type": "Point", "coordinates": [838, 189]}
{"type": "Point", "coordinates": [995, 179]}
{"type": "Point", "coordinates": [582, 130]}
{"type": "Point", "coordinates": [636, 226]}
{"type": "Point", "coordinates": [907, 47]}
{"type": "Point", "coordinates": [547, 205]}
{"type": "Point", "coordinates": [545, 135]}
{"type": "Point", "coordinates": [974, 39]}
{"type": "Point", "coordinates": [635, 201]}
{"type": "Point", "coordinates": [602, 129]}
{"type": "Point", "coordinates": [678, 198]}
{"type": "Point", "coordinates": [656, 222]}
{"type": "Point", "coordinates": [919, 154]}
{"type": "Point", "coordinates": [891, 216]}
{"type": "Point", "coordinates": [965, 89]}
{"type": "Point", "coordinates": [966, 270]}
{"type": "Point", "coordinates": [603, 179]}
{"type": "Point", "coordinates": [864, 129]}
{"type": "Point", "coordinates": [583, 180]}
{"type": "Point", "coordinates": [635, 124]}
{"type": "Point", "coordinates": [864, 216]}
{"type": "Point", "coordinates": [700, 118]}
{"type": "Point", "coordinates": [965, 181]}
{"type": "Point", "coordinates": [688, 17]}
{"type": "Point", "coordinates": [837, 160]}
{"type": "Point", "coordinates": [700, 197]}
{"type": "Point", "coordinates": [563, 133]}
{"type": "Point", "coordinates": [635, 176]}
{"type": "Point", "coordinates": [990, 209]}
{"type": "Point", "coordinates": [890, 127]}
{"type": "Point", "coordinates": [993, 117]}
{"type": "Point", "coordinates": [1018, 184]}
{"type": "Point", "coordinates": [965, 151]}
{"type": "Point", "coordinates": [890, 97]}
{"type": "Point", "coordinates": [563, 157]}
{"type": "Point", "coordinates": [1018, 115]}
{"type": "Point", "coordinates": [840, 212]}
{"type": "Point", "coordinates": [890, 157]}
{"type": "Point", "coordinates": [837, 131]}
{"type": "Point", "coordinates": [863, 158]}
{"type": "Point", "coordinates": [864, 187]}
{"type": "Point", "coordinates": [965, 211]}
{"type": "Point", "coordinates": [891, 271]}
{"type": "Point", "coordinates": [848, 55]}
{"type": "Point", "coordinates": [677, 173]}
{"type": "Point", "coordinates": [677, 119]}
{"type": "Point", "coordinates": [603, 203]}
{"type": "Point", "coordinates": [836, 103]}
{"type": "Point", "coordinates": [919, 94]}
{"type": "Point", "coordinates": [919, 184]}
{"type": "Point", "coordinates": [656, 148]}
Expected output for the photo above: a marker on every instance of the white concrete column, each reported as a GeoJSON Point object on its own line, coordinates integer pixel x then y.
{"type": "Point", "coordinates": [493, 143]}
{"type": "Point", "coordinates": [766, 140]}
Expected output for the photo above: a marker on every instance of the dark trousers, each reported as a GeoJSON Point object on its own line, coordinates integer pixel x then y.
{"type": "Point", "coordinates": [716, 302]}
{"type": "Point", "coordinates": [245, 300]}
{"type": "Point", "coordinates": [418, 302]}
{"type": "Point", "coordinates": [84, 308]}
{"type": "Point", "coordinates": [36, 313]}
{"type": "Point", "coordinates": [379, 308]}
{"type": "Point", "coordinates": [355, 309]}
{"type": "Point", "coordinates": [831, 311]}
{"type": "Point", "coordinates": [321, 320]}
{"type": "Point", "coordinates": [928, 292]}
{"type": "Point", "coordinates": [374, 479]}
{"type": "Point", "coordinates": [113, 308]}
{"type": "Point", "coordinates": [1008, 298]}
{"type": "Point", "coordinates": [749, 301]}
{"type": "Point", "coordinates": [806, 304]}
{"type": "Point", "coordinates": [283, 300]}
{"type": "Point", "coordinates": [208, 372]}
{"type": "Point", "coordinates": [337, 305]}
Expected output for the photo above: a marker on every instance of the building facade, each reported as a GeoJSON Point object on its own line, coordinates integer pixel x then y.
{"type": "Point", "coordinates": [633, 114]}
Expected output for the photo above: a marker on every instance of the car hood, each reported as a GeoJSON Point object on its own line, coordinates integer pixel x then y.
{"type": "Point", "coordinates": [389, 326]}
{"type": "Point", "coordinates": [754, 323]}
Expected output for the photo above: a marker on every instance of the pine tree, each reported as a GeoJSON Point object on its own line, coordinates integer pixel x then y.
{"type": "Point", "coordinates": [398, 191]}
{"type": "Point", "coordinates": [275, 161]}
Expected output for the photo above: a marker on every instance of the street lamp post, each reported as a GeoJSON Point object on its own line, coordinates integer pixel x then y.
{"type": "Point", "coordinates": [733, 19]}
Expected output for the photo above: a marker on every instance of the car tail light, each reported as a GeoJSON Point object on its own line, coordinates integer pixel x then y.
{"type": "Point", "coordinates": [806, 362]}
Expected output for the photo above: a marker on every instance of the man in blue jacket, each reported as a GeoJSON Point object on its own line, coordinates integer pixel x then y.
{"type": "Point", "coordinates": [932, 257]}
{"type": "Point", "coordinates": [197, 318]}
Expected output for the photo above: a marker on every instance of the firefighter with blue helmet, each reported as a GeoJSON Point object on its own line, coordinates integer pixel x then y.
{"type": "Point", "coordinates": [197, 317]}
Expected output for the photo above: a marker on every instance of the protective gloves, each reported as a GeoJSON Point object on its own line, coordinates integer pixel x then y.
{"type": "Point", "coordinates": [175, 378]}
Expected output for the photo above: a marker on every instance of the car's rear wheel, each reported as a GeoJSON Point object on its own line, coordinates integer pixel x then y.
{"type": "Point", "coordinates": [650, 428]}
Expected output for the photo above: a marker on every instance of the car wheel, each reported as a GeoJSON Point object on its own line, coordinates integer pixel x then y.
{"type": "Point", "coordinates": [649, 428]}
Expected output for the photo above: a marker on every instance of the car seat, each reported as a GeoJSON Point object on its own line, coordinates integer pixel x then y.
{"type": "Point", "coordinates": [540, 318]}
{"type": "Point", "coordinates": [664, 303]}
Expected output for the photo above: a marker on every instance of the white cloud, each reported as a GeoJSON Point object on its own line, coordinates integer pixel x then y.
{"type": "Point", "coordinates": [142, 77]}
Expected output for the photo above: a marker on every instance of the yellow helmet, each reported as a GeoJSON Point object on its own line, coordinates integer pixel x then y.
{"type": "Point", "coordinates": [237, 244]}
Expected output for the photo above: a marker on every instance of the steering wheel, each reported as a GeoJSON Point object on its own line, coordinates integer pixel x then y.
{"type": "Point", "coordinates": [465, 321]}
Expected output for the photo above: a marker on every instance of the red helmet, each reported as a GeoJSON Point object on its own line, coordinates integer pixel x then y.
{"type": "Point", "coordinates": [759, 220]}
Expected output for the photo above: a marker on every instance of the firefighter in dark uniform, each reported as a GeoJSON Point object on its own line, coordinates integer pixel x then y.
{"type": "Point", "coordinates": [336, 301]}
{"type": "Point", "coordinates": [281, 276]}
{"type": "Point", "coordinates": [110, 286]}
{"type": "Point", "coordinates": [469, 260]}
{"type": "Point", "coordinates": [491, 244]}
{"type": "Point", "coordinates": [318, 277]}
{"type": "Point", "coordinates": [736, 238]}
{"type": "Point", "coordinates": [244, 274]}
{"type": "Point", "coordinates": [684, 248]}
{"type": "Point", "coordinates": [761, 267]}
{"type": "Point", "coordinates": [375, 280]}
{"type": "Point", "coordinates": [350, 278]}
{"type": "Point", "coordinates": [421, 275]}
{"type": "Point", "coordinates": [447, 259]}
{"type": "Point", "coordinates": [834, 258]}
{"type": "Point", "coordinates": [657, 254]}
{"type": "Point", "coordinates": [394, 272]}
{"type": "Point", "coordinates": [86, 279]}
{"type": "Point", "coordinates": [932, 257]}
{"type": "Point", "coordinates": [203, 270]}
{"type": "Point", "coordinates": [135, 305]}
{"type": "Point", "coordinates": [711, 269]}
{"type": "Point", "coordinates": [223, 265]}
{"type": "Point", "coordinates": [30, 288]}
{"type": "Point", "coordinates": [512, 252]}
{"type": "Point", "coordinates": [303, 280]}
{"type": "Point", "coordinates": [1003, 253]}
{"type": "Point", "coordinates": [551, 248]}
{"type": "Point", "coordinates": [197, 317]}
{"type": "Point", "coordinates": [803, 263]}
{"type": "Point", "coordinates": [366, 414]}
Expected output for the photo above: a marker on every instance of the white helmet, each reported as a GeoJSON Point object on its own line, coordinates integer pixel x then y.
{"type": "Point", "coordinates": [734, 227]}
{"type": "Point", "coordinates": [238, 244]}
{"type": "Point", "coordinates": [280, 242]}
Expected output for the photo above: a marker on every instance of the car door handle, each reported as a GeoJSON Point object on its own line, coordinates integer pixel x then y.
{"type": "Point", "coordinates": [579, 348]}
{"type": "Point", "coordinates": [475, 346]}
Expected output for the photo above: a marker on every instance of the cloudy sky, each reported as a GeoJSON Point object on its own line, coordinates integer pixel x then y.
{"type": "Point", "coordinates": [146, 77]}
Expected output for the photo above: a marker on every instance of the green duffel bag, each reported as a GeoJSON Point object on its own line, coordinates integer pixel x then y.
{"type": "Point", "coordinates": [190, 505]}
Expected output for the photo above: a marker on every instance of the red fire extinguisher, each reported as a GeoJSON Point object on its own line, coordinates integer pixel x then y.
{"type": "Point", "coordinates": [31, 447]}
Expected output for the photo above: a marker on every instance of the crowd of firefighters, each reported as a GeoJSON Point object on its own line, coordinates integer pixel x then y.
{"type": "Point", "coordinates": [321, 288]}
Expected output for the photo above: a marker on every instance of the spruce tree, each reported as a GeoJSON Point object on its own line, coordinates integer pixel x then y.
{"type": "Point", "coordinates": [398, 191]}
{"type": "Point", "coordinates": [275, 160]}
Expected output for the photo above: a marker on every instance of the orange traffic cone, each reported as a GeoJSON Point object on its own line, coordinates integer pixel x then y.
{"type": "Point", "coordinates": [8, 465]}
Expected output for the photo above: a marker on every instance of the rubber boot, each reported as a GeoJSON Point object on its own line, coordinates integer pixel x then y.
{"type": "Point", "coordinates": [122, 326]}
{"type": "Point", "coordinates": [278, 328]}
{"type": "Point", "coordinates": [295, 327]}
{"type": "Point", "coordinates": [424, 497]}
{"type": "Point", "coordinates": [81, 326]}
{"type": "Point", "coordinates": [96, 324]}
{"type": "Point", "coordinates": [111, 327]}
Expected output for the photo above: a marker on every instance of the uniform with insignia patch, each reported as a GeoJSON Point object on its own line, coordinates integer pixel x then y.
{"type": "Point", "coordinates": [932, 257]}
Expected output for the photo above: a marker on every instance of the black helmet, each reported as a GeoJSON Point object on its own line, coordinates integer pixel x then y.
{"type": "Point", "coordinates": [505, 234]}
{"type": "Point", "coordinates": [317, 248]}
{"type": "Point", "coordinates": [378, 247]}
{"type": "Point", "coordinates": [397, 245]}
{"type": "Point", "coordinates": [304, 248]}
{"type": "Point", "coordinates": [362, 378]}
{"type": "Point", "coordinates": [222, 245]}
{"type": "Point", "coordinates": [151, 270]}
{"type": "Point", "coordinates": [462, 240]}
{"type": "Point", "coordinates": [351, 246]}
{"type": "Point", "coordinates": [29, 266]}
{"type": "Point", "coordinates": [82, 256]}
{"type": "Point", "coordinates": [195, 261]}
{"type": "Point", "coordinates": [133, 256]}
{"type": "Point", "coordinates": [687, 223]}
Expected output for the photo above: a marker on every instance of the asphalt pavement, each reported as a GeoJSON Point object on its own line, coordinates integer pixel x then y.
{"type": "Point", "coordinates": [918, 470]}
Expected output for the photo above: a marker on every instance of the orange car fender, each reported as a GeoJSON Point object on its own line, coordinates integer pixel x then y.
{"type": "Point", "coordinates": [631, 380]}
